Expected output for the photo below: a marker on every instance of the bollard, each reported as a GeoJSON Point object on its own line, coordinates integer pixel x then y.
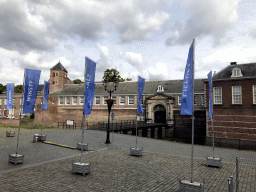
{"type": "Point", "coordinates": [230, 184]}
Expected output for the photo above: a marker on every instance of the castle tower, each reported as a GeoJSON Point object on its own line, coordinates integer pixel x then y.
{"type": "Point", "coordinates": [58, 77]}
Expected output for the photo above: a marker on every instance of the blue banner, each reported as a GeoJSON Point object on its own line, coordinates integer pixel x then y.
{"type": "Point", "coordinates": [89, 85]}
{"type": "Point", "coordinates": [46, 91]}
{"type": "Point", "coordinates": [210, 94]}
{"type": "Point", "coordinates": [9, 96]}
{"type": "Point", "coordinates": [187, 89]}
{"type": "Point", "coordinates": [32, 77]}
{"type": "Point", "coordinates": [141, 84]}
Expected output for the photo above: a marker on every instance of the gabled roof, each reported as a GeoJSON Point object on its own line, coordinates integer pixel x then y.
{"type": "Point", "coordinates": [59, 66]}
{"type": "Point", "coordinates": [248, 71]}
{"type": "Point", "coordinates": [131, 88]}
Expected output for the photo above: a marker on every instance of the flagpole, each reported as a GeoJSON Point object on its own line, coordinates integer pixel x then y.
{"type": "Point", "coordinates": [137, 114]}
{"type": "Point", "coordinates": [82, 140]}
{"type": "Point", "coordinates": [21, 112]}
{"type": "Point", "coordinates": [193, 118]}
{"type": "Point", "coordinates": [212, 123]}
{"type": "Point", "coordinates": [42, 121]}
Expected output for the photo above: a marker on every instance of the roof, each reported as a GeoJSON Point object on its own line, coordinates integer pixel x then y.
{"type": "Point", "coordinates": [126, 88]}
{"type": "Point", "coordinates": [248, 71]}
{"type": "Point", "coordinates": [59, 66]}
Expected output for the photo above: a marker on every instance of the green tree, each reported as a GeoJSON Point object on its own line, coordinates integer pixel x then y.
{"type": "Point", "coordinates": [111, 75]}
{"type": "Point", "coordinates": [128, 79]}
{"type": "Point", "coordinates": [2, 88]}
{"type": "Point", "coordinates": [77, 81]}
{"type": "Point", "coordinates": [18, 88]}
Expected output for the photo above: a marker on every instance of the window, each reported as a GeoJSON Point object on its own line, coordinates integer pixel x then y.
{"type": "Point", "coordinates": [141, 100]}
{"type": "Point", "coordinates": [13, 101]}
{"type": "Point", "coordinates": [131, 100]}
{"type": "Point", "coordinates": [179, 99]}
{"type": "Point", "coordinates": [236, 95]}
{"type": "Point", "coordinates": [104, 100]}
{"type": "Point", "coordinates": [21, 103]}
{"type": "Point", "coordinates": [160, 88]}
{"type": "Point", "coordinates": [0, 111]}
{"type": "Point", "coordinates": [97, 100]}
{"type": "Point", "coordinates": [57, 74]}
{"type": "Point", "coordinates": [0, 101]}
{"type": "Point", "coordinates": [60, 100]}
{"type": "Point", "coordinates": [202, 100]}
{"type": "Point", "coordinates": [114, 97]}
{"type": "Point", "coordinates": [81, 100]}
{"type": "Point", "coordinates": [121, 100]}
{"type": "Point", "coordinates": [5, 101]}
{"type": "Point", "coordinates": [236, 72]}
{"type": "Point", "coordinates": [217, 95]}
{"type": "Point", "coordinates": [55, 82]}
{"type": "Point", "coordinates": [254, 94]}
{"type": "Point", "coordinates": [195, 99]}
{"type": "Point", "coordinates": [67, 100]}
{"type": "Point", "coordinates": [74, 100]}
{"type": "Point", "coordinates": [53, 74]}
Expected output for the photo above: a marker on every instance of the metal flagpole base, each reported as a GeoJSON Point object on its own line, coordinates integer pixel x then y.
{"type": "Point", "coordinates": [185, 185]}
{"type": "Point", "coordinates": [83, 168]}
{"type": "Point", "coordinates": [136, 151]}
{"type": "Point", "coordinates": [10, 134]}
{"type": "Point", "coordinates": [42, 138]}
{"type": "Point", "coordinates": [213, 162]}
{"type": "Point", "coordinates": [16, 158]}
{"type": "Point", "coordinates": [82, 146]}
{"type": "Point", "coordinates": [36, 138]}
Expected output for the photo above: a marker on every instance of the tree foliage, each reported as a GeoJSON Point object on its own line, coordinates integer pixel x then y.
{"type": "Point", "coordinates": [77, 81]}
{"type": "Point", "coordinates": [18, 88]}
{"type": "Point", "coordinates": [111, 75]}
{"type": "Point", "coordinates": [2, 88]}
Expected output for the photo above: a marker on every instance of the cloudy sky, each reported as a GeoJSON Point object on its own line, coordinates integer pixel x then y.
{"type": "Point", "coordinates": [150, 38]}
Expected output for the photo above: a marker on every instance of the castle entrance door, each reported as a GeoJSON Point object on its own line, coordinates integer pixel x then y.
{"type": "Point", "coordinates": [160, 114]}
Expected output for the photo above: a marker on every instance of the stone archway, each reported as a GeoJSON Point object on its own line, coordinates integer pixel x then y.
{"type": "Point", "coordinates": [159, 114]}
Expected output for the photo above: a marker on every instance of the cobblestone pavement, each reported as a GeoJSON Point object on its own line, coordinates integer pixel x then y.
{"type": "Point", "coordinates": [162, 165]}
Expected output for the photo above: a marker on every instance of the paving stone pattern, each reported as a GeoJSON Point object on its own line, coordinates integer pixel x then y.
{"type": "Point", "coordinates": [162, 165]}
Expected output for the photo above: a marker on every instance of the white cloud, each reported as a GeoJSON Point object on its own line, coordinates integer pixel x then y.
{"type": "Point", "coordinates": [158, 73]}
{"type": "Point", "coordinates": [135, 59]}
{"type": "Point", "coordinates": [212, 18]}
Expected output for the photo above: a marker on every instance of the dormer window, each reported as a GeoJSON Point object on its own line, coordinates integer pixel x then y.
{"type": "Point", "coordinates": [160, 88]}
{"type": "Point", "coordinates": [236, 72]}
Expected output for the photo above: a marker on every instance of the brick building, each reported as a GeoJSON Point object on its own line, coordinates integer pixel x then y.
{"type": "Point", "coordinates": [234, 102]}
{"type": "Point", "coordinates": [161, 99]}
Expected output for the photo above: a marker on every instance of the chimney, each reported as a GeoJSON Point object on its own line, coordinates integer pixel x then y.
{"type": "Point", "coordinates": [233, 63]}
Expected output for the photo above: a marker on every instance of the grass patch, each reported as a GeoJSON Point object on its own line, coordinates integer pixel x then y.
{"type": "Point", "coordinates": [27, 119]}
{"type": "Point", "coordinates": [28, 127]}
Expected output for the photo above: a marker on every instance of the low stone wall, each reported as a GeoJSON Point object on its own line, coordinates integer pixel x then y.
{"type": "Point", "coordinates": [12, 122]}
{"type": "Point", "coordinates": [231, 143]}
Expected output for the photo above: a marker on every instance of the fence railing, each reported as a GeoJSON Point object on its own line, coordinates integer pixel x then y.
{"type": "Point", "coordinates": [116, 126]}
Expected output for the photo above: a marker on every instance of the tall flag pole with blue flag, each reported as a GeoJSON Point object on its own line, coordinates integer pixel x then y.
{"type": "Point", "coordinates": [141, 83]}
{"type": "Point", "coordinates": [211, 108]}
{"type": "Point", "coordinates": [30, 87]}
{"type": "Point", "coordinates": [9, 103]}
{"type": "Point", "coordinates": [44, 102]}
{"type": "Point", "coordinates": [89, 87]}
{"type": "Point", "coordinates": [187, 97]}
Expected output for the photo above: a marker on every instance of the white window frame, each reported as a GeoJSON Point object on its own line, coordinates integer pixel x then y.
{"type": "Point", "coordinates": [236, 94]}
{"type": "Point", "coordinates": [254, 94]}
{"type": "Point", "coordinates": [236, 72]}
{"type": "Point", "coordinates": [104, 98]}
{"type": "Point", "coordinates": [1, 100]}
{"type": "Point", "coordinates": [62, 100]}
{"type": "Point", "coordinates": [97, 99]}
{"type": "Point", "coordinates": [130, 100]}
{"type": "Point", "coordinates": [195, 99]}
{"type": "Point", "coordinates": [81, 100]}
{"type": "Point", "coordinates": [74, 103]}
{"type": "Point", "coordinates": [120, 99]}
{"type": "Point", "coordinates": [215, 96]}
{"type": "Point", "coordinates": [0, 111]}
{"type": "Point", "coordinates": [179, 99]}
{"type": "Point", "coordinates": [160, 88]}
{"type": "Point", "coordinates": [114, 97]}
{"type": "Point", "coordinates": [66, 99]}
{"type": "Point", "coordinates": [141, 100]}
{"type": "Point", "coordinates": [203, 100]}
{"type": "Point", "coordinates": [5, 101]}
{"type": "Point", "coordinates": [21, 103]}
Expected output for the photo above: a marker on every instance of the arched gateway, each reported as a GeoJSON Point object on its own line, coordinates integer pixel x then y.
{"type": "Point", "coordinates": [159, 108]}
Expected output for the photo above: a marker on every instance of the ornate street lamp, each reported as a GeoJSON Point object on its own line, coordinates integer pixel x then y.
{"type": "Point", "coordinates": [110, 103]}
